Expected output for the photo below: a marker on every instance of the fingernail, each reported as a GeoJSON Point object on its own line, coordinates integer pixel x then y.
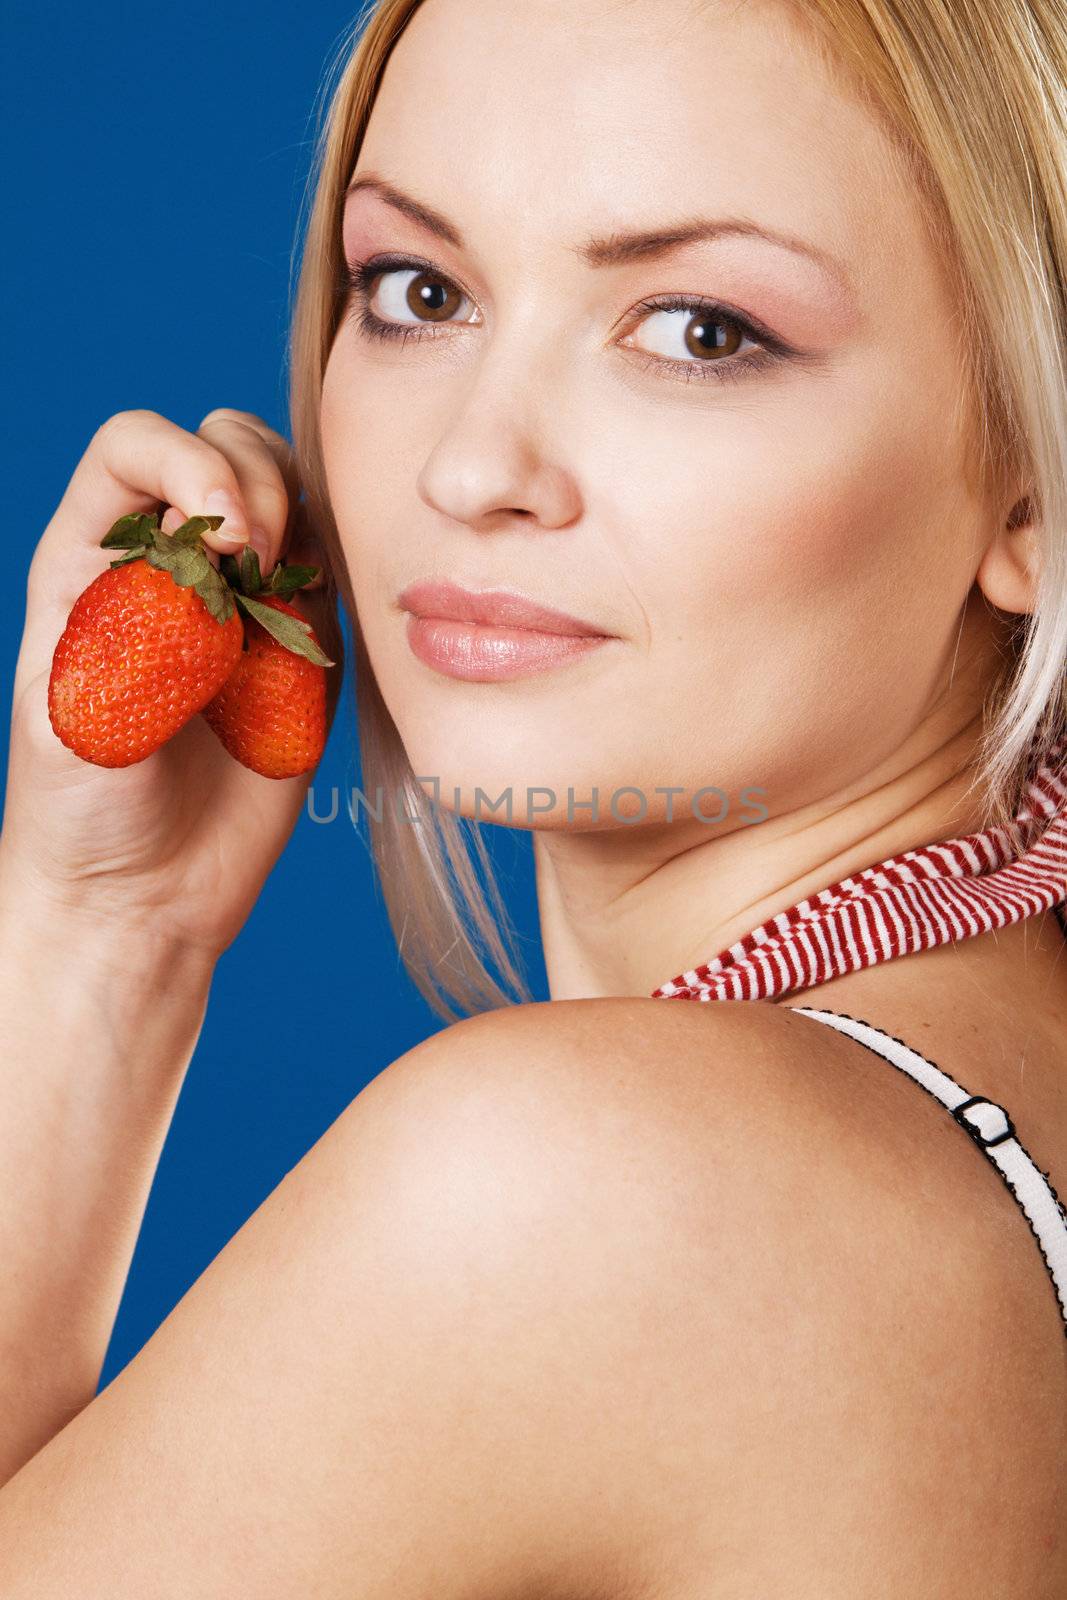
{"type": "Point", "coordinates": [220, 503]}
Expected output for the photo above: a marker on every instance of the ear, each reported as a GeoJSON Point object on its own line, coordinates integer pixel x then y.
{"type": "Point", "coordinates": [1008, 572]}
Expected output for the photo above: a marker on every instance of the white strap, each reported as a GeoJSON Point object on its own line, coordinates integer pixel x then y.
{"type": "Point", "coordinates": [991, 1129]}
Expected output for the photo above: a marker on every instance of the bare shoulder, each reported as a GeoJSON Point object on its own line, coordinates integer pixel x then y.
{"type": "Point", "coordinates": [595, 1298]}
{"type": "Point", "coordinates": [821, 1276]}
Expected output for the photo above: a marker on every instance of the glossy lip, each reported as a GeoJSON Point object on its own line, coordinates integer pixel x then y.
{"type": "Point", "coordinates": [439, 598]}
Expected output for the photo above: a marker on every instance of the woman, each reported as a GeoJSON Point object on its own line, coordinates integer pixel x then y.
{"type": "Point", "coordinates": [600, 1296]}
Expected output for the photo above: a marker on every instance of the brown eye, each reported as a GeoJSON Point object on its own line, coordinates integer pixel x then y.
{"type": "Point", "coordinates": [410, 310]}
{"type": "Point", "coordinates": [702, 337]}
{"type": "Point", "coordinates": [426, 296]}
{"type": "Point", "coordinates": [709, 335]}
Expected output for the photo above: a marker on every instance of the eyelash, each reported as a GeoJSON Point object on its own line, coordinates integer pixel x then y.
{"type": "Point", "coordinates": [360, 275]}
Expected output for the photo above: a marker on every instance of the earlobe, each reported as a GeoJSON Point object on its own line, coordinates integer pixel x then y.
{"type": "Point", "coordinates": [1008, 572]}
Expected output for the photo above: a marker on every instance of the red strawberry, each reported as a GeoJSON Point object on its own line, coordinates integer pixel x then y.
{"type": "Point", "coordinates": [146, 645]}
{"type": "Point", "coordinates": [271, 712]}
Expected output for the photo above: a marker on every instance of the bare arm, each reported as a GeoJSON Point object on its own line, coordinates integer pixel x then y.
{"type": "Point", "coordinates": [421, 1367]}
{"type": "Point", "coordinates": [98, 1030]}
{"type": "Point", "coordinates": [119, 889]}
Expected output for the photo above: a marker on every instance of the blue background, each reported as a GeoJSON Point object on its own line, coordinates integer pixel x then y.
{"type": "Point", "coordinates": [156, 165]}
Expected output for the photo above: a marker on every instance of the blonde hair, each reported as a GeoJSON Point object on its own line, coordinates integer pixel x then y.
{"type": "Point", "coordinates": [973, 94]}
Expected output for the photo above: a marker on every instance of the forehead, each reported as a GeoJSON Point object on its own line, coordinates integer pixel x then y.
{"type": "Point", "coordinates": [569, 117]}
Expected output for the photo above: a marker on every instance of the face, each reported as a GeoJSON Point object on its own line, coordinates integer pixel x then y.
{"type": "Point", "coordinates": [740, 458]}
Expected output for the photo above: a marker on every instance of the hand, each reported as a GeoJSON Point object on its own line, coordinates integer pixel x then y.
{"type": "Point", "coordinates": [179, 845]}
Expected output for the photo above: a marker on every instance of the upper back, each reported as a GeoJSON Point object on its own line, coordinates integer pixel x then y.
{"type": "Point", "coordinates": [991, 1012]}
{"type": "Point", "coordinates": [897, 1356]}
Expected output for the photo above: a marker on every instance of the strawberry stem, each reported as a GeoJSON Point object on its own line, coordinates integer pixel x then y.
{"type": "Point", "coordinates": [184, 555]}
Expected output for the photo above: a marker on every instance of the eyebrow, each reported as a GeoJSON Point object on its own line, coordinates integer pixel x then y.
{"type": "Point", "coordinates": [617, 249]}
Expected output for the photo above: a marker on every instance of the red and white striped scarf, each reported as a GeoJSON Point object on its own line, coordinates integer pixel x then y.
{"type": "Point", "coordinates": [952, 889]}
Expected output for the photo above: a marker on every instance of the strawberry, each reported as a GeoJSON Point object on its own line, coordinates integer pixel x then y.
{"type": "Point", "coordinates": [148, 643]}
{"type": "Point", "coordinates": [271, 712]}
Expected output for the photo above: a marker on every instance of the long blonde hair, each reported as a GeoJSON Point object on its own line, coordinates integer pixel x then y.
{"type": "Point", "coordinates": [973, 94]}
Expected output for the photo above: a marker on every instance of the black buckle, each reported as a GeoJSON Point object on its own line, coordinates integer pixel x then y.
{"type": "Point", "coordinates": [976, 1132]}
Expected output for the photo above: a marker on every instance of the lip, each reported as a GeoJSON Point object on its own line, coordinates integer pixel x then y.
{"type": "Point", "coordinates": [489, 652]}
{"type": "Point", "coordinates": [448, 601]}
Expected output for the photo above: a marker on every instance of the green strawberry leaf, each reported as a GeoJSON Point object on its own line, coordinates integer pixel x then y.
{"type": "Point", "coordinates": [192, 570]}
{"type": "Point", "coordinates": [286, 580]}
{"type": "Point", "coordinates": [189, 567]}
{"type": "Point", "coordinates": [190, 531]}
{"type": "Point", "coordinates": [187, 536]}
{"type": "Point", "coordinates": [230, 571]}
{"type": "Point", "coordinates": [134, 555]}
{"type": "Point", "coordinates": [137, 528]}
{"type": "Point", "coordinates": [216, 594]}
{"type": "Point", "coordinates": [251, 581]}
{"type": "Point", "coordinates": [292, 632]}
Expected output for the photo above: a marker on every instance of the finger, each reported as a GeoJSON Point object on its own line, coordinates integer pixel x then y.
{"type": "Point", "coordinates": [266, 471]}
{"type": "Point", "coordinates": [172, 519]}
{"type": "Point", "coordinates": [134, 462]}
{"type": "Point", "coordinates": [137, 461]}
{"type": "Point", "coordinates": [276, 443]}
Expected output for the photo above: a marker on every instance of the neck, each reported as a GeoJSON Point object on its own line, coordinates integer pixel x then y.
{"type": "Point", "coordinates": [624, 910]}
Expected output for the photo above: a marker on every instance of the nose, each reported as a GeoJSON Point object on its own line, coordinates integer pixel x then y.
{"type": "Point", "coordinates": [498, 461]}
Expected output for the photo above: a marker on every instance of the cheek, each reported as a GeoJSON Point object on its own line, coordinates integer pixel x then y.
{"type": "Point", "coordinates": [798, 521]}
{"type": "Point", "coordinates": [782, 555]}
{"type": "Point", "coordinates": [367, 453]}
